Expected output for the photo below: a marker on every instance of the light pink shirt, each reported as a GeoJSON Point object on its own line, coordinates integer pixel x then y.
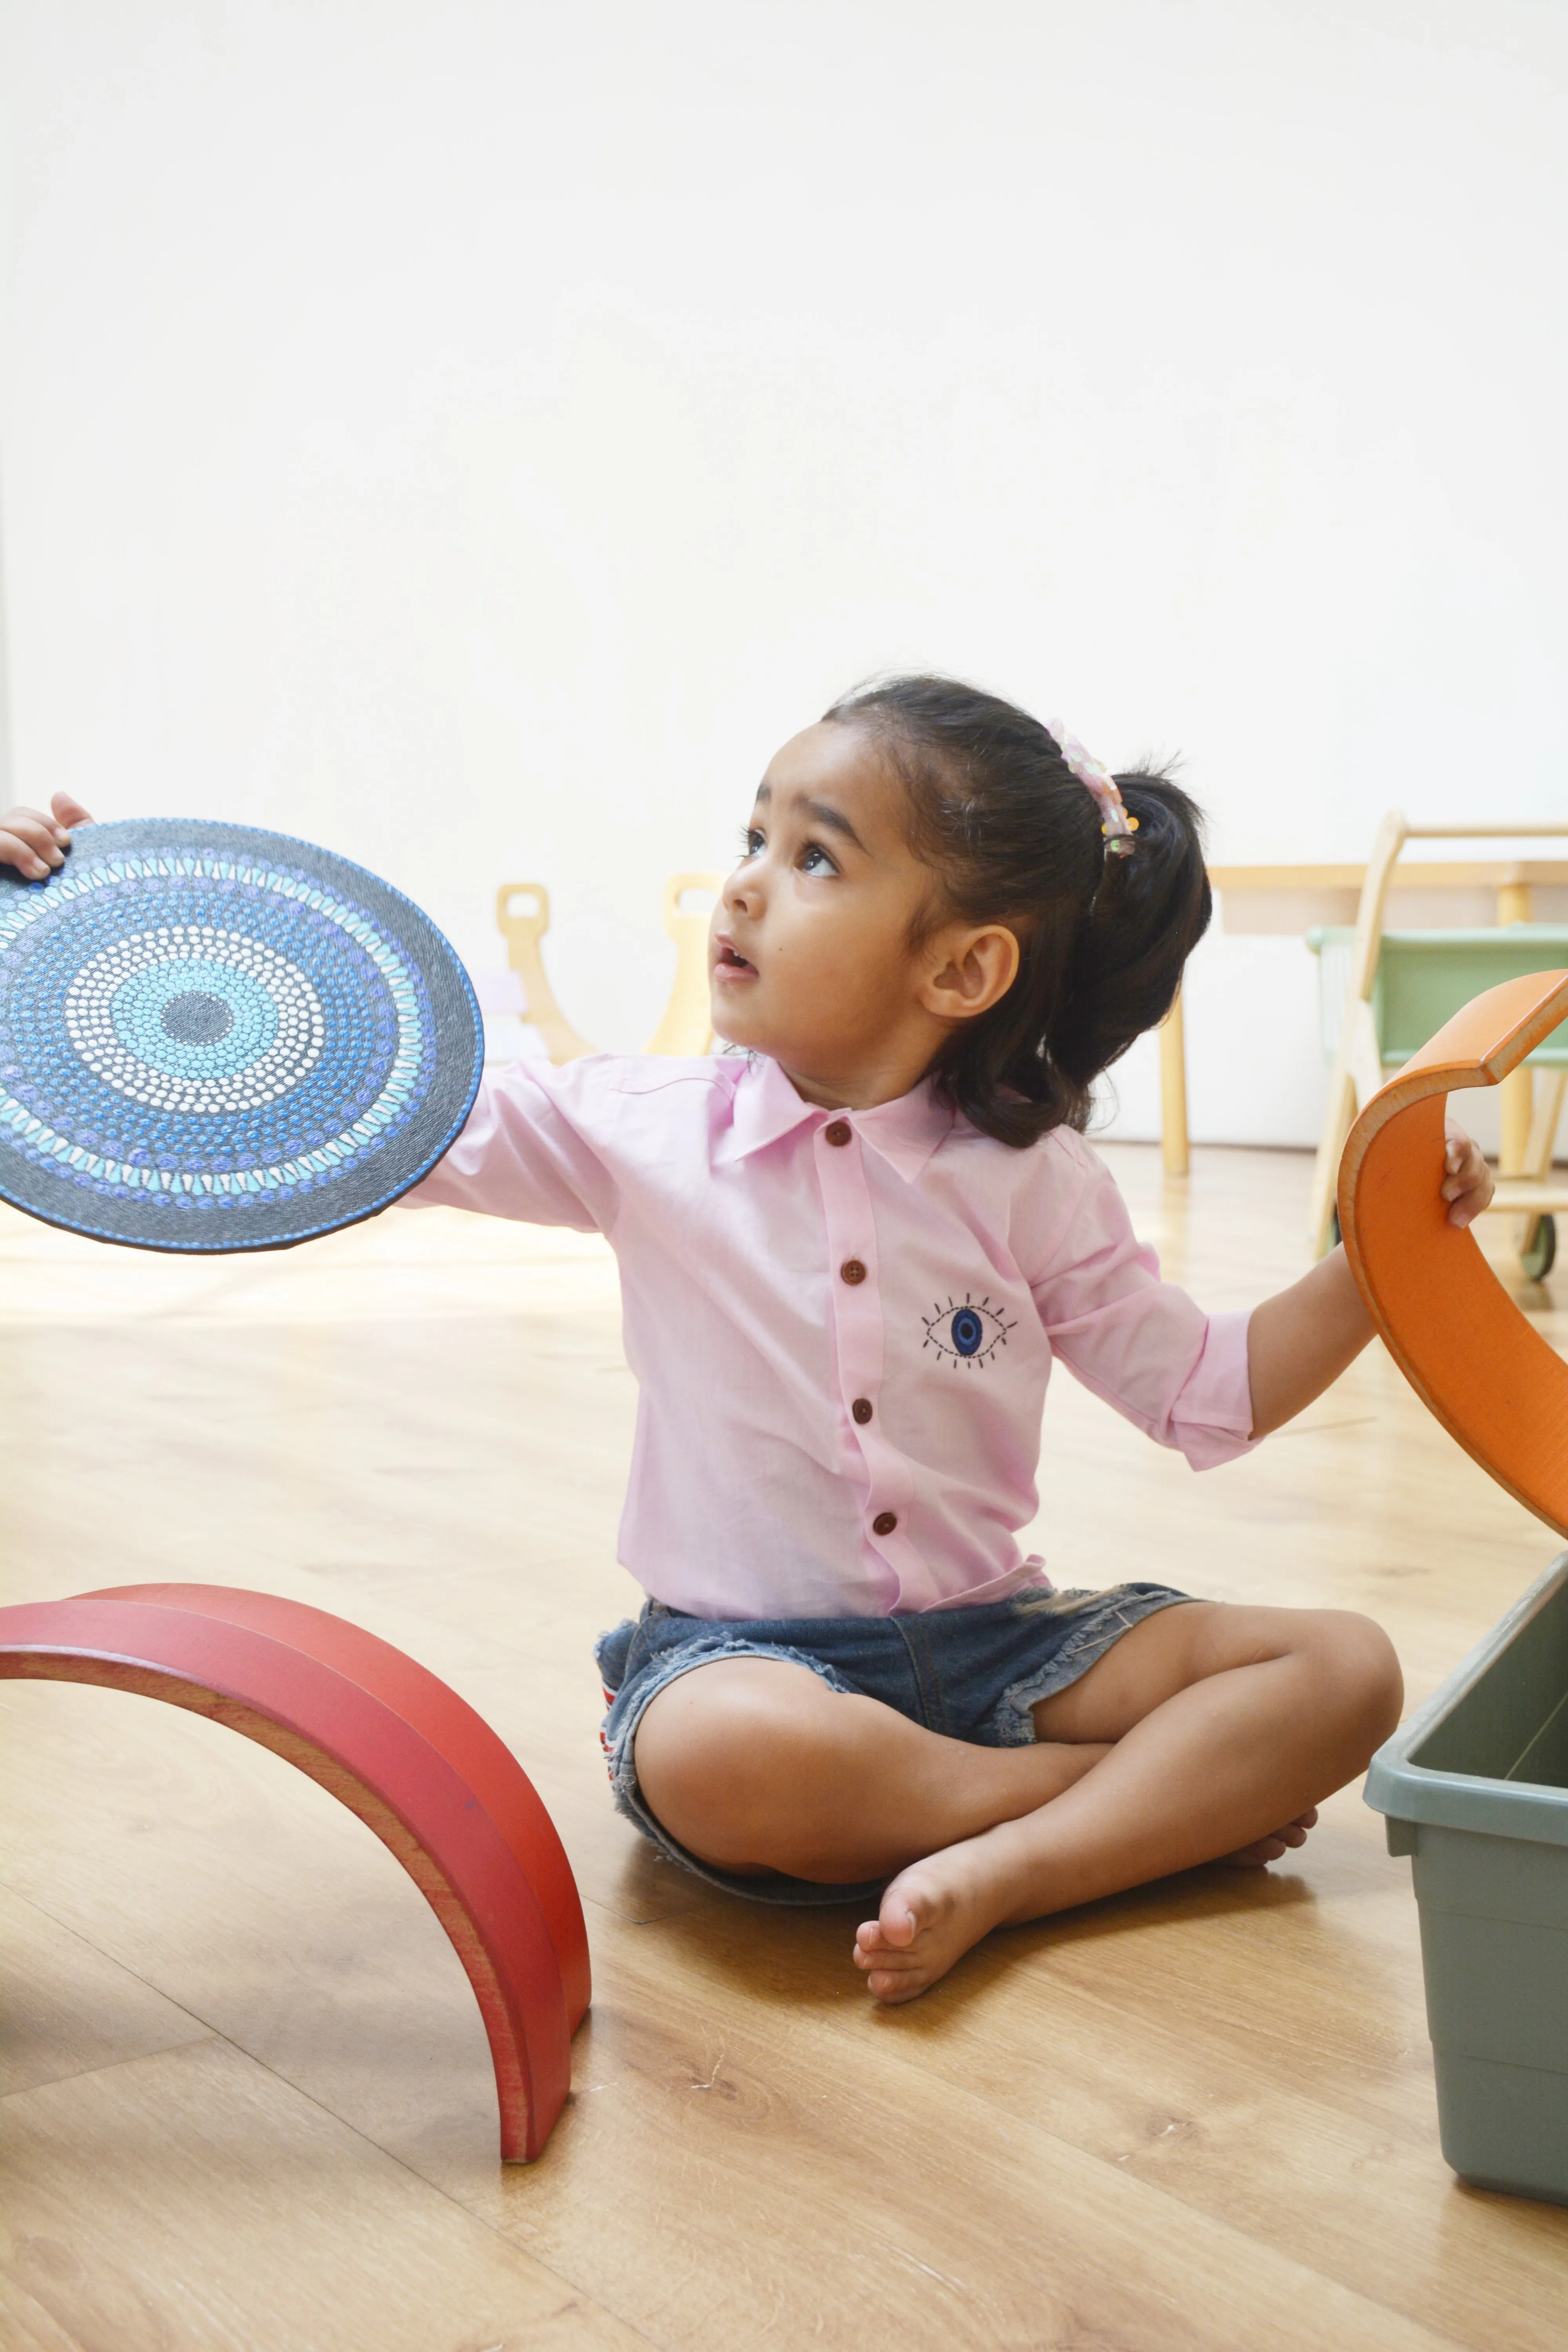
{"type": "Point", "coordinates": [842, 1324]}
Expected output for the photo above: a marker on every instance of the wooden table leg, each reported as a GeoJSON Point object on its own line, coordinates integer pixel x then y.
{"type": "Point", "coordinates": [1173, 1091]}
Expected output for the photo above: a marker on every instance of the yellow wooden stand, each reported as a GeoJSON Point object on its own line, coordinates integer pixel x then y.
{"type": "Point", "coordinates": [523, 927]}
{"type": "Point", "coordinates": [684, 1027]}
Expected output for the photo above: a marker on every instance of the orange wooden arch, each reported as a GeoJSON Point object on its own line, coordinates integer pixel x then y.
{"type": "Point", "coordinates": [395, 1745]}
{"type": "Point", "coordinates": [1490, 1379]}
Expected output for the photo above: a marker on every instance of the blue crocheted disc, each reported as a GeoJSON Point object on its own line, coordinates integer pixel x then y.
{"type": "Point", "coordinates": [215, 1039]}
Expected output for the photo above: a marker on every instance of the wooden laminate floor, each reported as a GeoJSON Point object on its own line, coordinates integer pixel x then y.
{"type": "Point", "coordinates": [247, 2096]}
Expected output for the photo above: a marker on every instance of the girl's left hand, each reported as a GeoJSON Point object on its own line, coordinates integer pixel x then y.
{"type": "Point", "coordinates": [1466, 1179]}
{"type": "Point", "coordinates": [33, 842]}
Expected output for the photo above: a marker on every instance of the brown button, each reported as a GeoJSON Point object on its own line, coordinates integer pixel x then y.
{"type": "Point", "coordinates": [852, 1270]}
{"type": "Point", "coordinates": [861, 1409]}
{"type": "Point", "coordinates": [884, 1523]}
{"type": "Point", "coordinates": [839, 1132]}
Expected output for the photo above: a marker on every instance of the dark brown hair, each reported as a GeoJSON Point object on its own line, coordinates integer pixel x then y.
{"type": "Point", "coordinates": [1014, 837]}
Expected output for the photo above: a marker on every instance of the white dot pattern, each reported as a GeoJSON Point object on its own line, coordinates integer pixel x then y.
{"type": "Point", "coordinates": [112, 1019]}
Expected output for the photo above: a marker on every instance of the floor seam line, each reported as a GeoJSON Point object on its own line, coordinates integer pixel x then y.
{"type": "Point", "coordinates": [111, 2065]}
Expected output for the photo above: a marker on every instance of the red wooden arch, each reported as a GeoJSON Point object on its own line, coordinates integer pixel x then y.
{"type": "Point", "coordinates": [399, 1749]}
{"type": "Point", "coordinates": [1451, 1327]}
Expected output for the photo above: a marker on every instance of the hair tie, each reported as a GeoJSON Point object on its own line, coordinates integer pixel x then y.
{"type": "Point", "coordinates": [1115, 823]}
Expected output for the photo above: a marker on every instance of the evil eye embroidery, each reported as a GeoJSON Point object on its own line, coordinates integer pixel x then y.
{"type": "Point", "coordinates": [967, 1331]}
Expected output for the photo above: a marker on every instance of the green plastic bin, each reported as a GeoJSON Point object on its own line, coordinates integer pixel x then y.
{"type": "Point", "coordinates": [1475, 1789]}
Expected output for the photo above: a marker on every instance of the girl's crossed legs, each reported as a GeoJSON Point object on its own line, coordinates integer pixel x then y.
{"type": "Point", "coordinates": [1205, 1731]}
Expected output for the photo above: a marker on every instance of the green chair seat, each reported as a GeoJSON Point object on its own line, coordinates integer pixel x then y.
{"type": "Point", "coordinates": [1424, 978]}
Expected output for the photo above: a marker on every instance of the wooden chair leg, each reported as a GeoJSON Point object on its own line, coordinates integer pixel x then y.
{"type": "Point", "coordinates": [1543, 1141]}
{"type": "Point", "coordinates": [395, 1745]}
{"type": "Point", "coordinates": [1516, 1119]}
{"type": "Point", "coordinates": [1358, 1069]}
{"type": "Point", "coordinates": [1338, 1118]}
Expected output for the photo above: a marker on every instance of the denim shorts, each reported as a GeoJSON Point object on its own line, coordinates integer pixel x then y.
{"type": "Point", "coordinates": [970, 1673]}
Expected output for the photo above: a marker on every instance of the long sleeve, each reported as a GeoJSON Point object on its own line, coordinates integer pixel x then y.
{"type": "Point", "coordinates": [1143, 1345]}
{"type": "Point", "coordinates": [531, 1150]}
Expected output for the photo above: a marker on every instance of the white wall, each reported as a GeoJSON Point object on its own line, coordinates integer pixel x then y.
{"type": "Point", "coordinates": [474, 434]}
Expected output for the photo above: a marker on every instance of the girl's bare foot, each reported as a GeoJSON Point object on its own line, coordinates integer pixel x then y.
{"type": "Point", "coordinates": [931, 1914]}
{"type": "Point", "coordinates": [935, 1910]}
{"type": "Point", "coordinates": [1269, 1848]}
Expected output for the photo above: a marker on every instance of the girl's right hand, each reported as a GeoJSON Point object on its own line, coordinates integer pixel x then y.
{"type": "Point", "coordinates": [34, 843]}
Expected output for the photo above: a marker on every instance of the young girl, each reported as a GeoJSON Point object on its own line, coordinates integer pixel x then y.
{"type": "Point", "coordinates": [850, 1252]}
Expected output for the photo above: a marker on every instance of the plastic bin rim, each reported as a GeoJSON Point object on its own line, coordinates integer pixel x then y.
{"type": "Point", "coordinates": [1470, 1801]}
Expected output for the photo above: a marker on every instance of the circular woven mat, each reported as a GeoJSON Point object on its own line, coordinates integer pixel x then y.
{"type": "Point", "coordinates": [216, 1038]}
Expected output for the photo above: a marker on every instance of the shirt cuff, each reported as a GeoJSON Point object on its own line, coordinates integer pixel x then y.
{"type": "Point", "coordinates": [1212, 1415]}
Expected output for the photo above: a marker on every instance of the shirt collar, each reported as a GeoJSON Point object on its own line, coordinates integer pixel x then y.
{"type": "Point", "coordinates": [765, 1106]}
{"type": "Point", "coordinates": [908, 1129]}
{"type": "Point", "coordinates": [905, 1131]}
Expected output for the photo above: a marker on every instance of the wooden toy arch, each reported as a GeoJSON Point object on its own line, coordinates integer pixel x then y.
{"type": "Point", "coordinates": [401, 1750]}
{"type": "Point", "coordinates": [1461, 1341]}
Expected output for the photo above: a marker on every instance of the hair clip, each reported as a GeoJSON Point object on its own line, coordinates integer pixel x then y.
{"type": "Point", "coordinates": [1116, 824]}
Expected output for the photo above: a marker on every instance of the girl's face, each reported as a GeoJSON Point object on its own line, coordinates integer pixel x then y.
{"type": "Point", "coordinates": [810, 955]}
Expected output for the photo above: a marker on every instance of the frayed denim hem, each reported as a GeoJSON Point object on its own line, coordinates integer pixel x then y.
{"type": "Point", "coordinates": [1097, 1630]}
{"type": "Point", "coordinates": [620, 1744]}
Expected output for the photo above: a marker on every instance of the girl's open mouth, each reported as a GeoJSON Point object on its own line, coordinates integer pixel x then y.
{"type": "Point", "coordinates": [731, 964]}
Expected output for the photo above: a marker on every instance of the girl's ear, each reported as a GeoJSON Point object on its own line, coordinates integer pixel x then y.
{"type": "Point", "coordinates": [970, 971]}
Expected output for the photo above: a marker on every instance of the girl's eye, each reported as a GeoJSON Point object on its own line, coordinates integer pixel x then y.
{"type": "Point", "coordinates": [815, 859]}
{"type": "Point", "coordinates": [750, 842]}
{"type": "Point", "coordinates": [967, 1331]}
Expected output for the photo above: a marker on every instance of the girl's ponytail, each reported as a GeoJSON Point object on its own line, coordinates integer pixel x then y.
{"type": "Point", "coordinates": [1016, 838]}
{"type": "Point", "coordinates": [1149, 913]}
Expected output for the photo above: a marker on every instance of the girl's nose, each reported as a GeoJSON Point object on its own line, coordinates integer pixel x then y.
{"type": "Point", "coordinates": [739, 894]}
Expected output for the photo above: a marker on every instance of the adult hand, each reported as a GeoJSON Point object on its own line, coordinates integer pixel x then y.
{"type": "Point", "coordinates": [34, 843]}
